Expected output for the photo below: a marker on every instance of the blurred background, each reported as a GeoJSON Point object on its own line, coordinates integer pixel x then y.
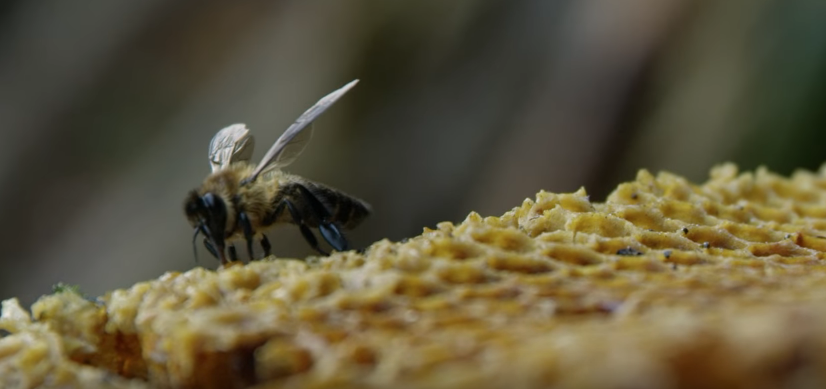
{"type": "Point", "coordinates": [107, 109]}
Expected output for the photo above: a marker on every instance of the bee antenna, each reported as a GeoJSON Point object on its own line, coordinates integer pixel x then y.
{"type": "Point", "coordinates": [194, 237]}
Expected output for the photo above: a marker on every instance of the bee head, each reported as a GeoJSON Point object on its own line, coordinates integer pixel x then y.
{"type": "Point", "coordinates": [208, 214]}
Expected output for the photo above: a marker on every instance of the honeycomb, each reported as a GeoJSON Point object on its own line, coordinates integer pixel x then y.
{"type": "Point", "coordinates": [666, 284]}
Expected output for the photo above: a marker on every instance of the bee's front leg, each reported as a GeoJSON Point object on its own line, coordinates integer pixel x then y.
{"type": "Point", "coordinates": [210, 248]}
{"type": "Point", "coordinates": [233, 255]}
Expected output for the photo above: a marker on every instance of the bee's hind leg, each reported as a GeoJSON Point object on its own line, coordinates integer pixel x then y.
{"type": "Point", "coordinates": [333, 236]}
{"type": "Point", "coordinates": [265, 244]}
{"type": "Point", "coordinates": [328, 230]}
{"type": "Point", "coordinates": [308, 235]}
{"type": "Point", "coordinates": [233, 254]}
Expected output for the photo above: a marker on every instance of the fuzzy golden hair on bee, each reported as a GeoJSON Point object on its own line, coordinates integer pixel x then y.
{"type": "Point", "coordinates": [238, 201]}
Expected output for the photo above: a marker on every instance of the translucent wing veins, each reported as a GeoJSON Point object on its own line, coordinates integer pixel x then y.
{"type": "Point", "coordinates": [287, 148]}
{"type": "Point", "coordinates": [231, 144]}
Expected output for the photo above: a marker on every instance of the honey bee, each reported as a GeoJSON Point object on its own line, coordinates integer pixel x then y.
{"type": "Point", "coordinates": [239, 200]}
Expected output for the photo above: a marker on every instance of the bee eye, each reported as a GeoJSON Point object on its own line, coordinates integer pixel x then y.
{"type": "Point", "coordinates": [209, 201]}
{"type": "Point", "coordinates": [214, 210]}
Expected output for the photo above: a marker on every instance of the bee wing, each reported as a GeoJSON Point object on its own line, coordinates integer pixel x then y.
{"type": "Point", "coordinates": [231, 144]}
{"type": "Point", "coordinates": [290, 145]}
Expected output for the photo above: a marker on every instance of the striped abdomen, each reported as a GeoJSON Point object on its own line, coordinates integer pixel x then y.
{"type": "Point", "coordinates": [345, 210]}
{"type": "Point", "coordinates": [314, 202]}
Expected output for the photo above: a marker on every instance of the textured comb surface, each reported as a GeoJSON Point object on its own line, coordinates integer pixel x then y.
{"type": "Point", "coordinates": [666, 284]}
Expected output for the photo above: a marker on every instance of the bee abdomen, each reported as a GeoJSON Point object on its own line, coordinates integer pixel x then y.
{"type": "Point", "coordinates": [331, 206]}
{"type": "Point", "coordinates": [348, 212]}
{"type": "Point", "coordinates": [345, 210]}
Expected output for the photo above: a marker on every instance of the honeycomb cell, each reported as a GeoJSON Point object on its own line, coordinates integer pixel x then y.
{"type": "Point", "coordinates": [713, 237]}
{"type": "Point", "coordinates": [361, 354]}
{"type": "Point", "coordinates": [783, 248]}
{"type": "Point", "coordinates": [599, 224]}
{"type": "Point", "coordinates": [280, 358]}
{"type": "Point", "coordinates": [734, 213]}
{"type": "Point", "coordinates": [464, 273]}
{"type": "Point", "coordinates": [678, 189]}
{"type": "Point", "coordinates": [811, 242]}
{"type": "Point", "coordinates": [645, 264]}
{"type": "Point", "coordinates": [646, 218]}
{"type": "Point", "coordinates": [685, 212]}
{"type": "Point", "coordinates": [573, 255]}
{"type": "Point", "coordinates": [508, 239]}
{"type": "Point", "coordinates": [630, 193]}
{"type": "Point", "coordinates": [519, 264]}
{"type": "Point", "coordinates": [551, 220]}
{"type": "Point", "coordinates": [794, 190]}
{"type": "Point", "coordinates": [611, 246]}
{"type": "Point", "coordinates": [415, 287]}
{"type": "Point", "coordinates": [687, 258]}
{"type": "Point", "coordinates": [576, 202]}
{"type": "Point", "coordinates": [752, 233]}
{"type": "Point", "coordinates": [808, 210]}
{"type": "Point", "coordinates": [664, 241]}
{"type": "Point", "coordinates": [771, 214]}
{"type": "Point", "coordinates": [450, 248]}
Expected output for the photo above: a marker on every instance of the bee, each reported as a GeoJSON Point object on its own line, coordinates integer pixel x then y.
{"type": "Point", "coordinates": [239, 200]}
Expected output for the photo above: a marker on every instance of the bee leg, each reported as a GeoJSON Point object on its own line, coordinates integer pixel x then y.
{"type": "Point", "coordinates": [195, 245]}
{"type": "Point", "coordinates": [328, 230]}
{"type": "Point", "coordinates": [233, 255]}
{"type": "Point", "coordinates": [308, 235]}
{"type": "Point", "coordinates": [265, 244]}
{"type": "Point", "coordinates": [333, 236]}
{"type": "Point", "coordinates": [210, 248]}
{"type": "Point", "coordinates": [244, 220]}
{"type": "Point", "coordinates": [310, 238]}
